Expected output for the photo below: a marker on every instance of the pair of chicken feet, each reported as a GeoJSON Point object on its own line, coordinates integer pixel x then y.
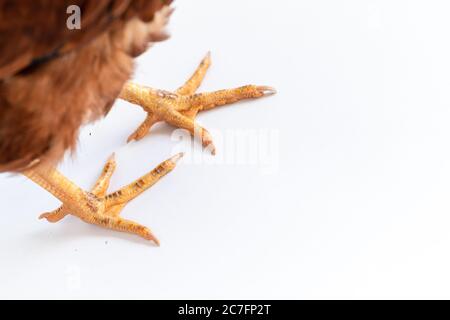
{"type": "Point", "coordinates": [178, 109]}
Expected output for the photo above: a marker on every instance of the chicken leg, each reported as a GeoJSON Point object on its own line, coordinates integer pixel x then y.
{"type": "Point", "coordinates": [180, 108]}
{"type": "Point", "coordinates": [96, 207]}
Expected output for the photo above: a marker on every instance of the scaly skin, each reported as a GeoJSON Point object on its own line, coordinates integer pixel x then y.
{"type": "Point", "coordinates": [95, 207]}
{"type": "Point", "coordinates": [180, 108]}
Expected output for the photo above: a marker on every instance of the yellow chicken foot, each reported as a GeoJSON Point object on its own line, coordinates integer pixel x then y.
{"type": "Point", "coordinates": [96, 207]}
{"type": "Point", "coordinates": [180, 108]}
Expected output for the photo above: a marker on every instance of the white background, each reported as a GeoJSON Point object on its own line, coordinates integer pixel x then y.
{"type": "Point", "coordinates": [359, 206]}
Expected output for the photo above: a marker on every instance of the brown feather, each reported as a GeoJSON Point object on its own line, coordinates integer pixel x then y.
{"type": "Point", "coordinates": [43, 105]}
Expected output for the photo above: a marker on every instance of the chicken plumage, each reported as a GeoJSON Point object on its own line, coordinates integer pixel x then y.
{"type": "Point", "coordinates": [54, 79]}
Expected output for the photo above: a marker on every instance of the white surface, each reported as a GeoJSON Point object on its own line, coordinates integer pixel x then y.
{"type": "Point", "coordinates": [358, 208]}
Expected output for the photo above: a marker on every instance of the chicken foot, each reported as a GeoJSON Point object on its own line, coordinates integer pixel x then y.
{"type": "Point", "coordinates": [180, 108]}
{"type": "Point", "coordinates": [96, 207]}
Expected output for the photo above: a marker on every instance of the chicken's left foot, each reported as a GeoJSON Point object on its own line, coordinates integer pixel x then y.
{"type": "Point", "coordinates": [180, 108]}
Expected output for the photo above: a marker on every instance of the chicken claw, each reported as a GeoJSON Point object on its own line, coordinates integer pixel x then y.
{"type": "Point", "coordinates": [180, 108]}
{"type": "Point", "coordinates": [97, 207]}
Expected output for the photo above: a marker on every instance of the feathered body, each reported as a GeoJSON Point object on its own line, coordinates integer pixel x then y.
{"type": "Point", "coordinates": [53, 79]}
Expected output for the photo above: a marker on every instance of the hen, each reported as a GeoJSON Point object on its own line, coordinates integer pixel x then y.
{"type": "Point", "coordinates": [53, 79]}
